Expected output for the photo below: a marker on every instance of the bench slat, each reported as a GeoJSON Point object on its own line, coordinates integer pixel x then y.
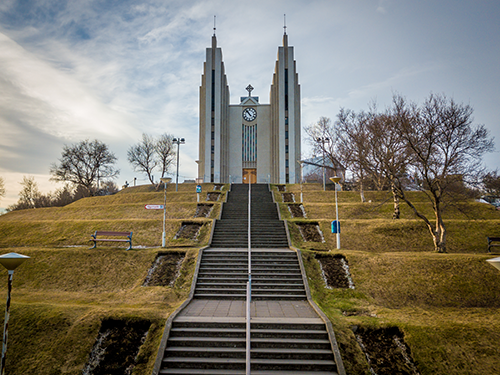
{"type": "Point", "coordinates": [110, 239]}
{"type": "Point", "coordinates": [490, 244]}
{"type": "Point", "coordinates": [111, 234]}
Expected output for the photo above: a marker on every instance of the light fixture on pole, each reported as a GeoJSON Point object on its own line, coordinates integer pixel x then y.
{"type": "Point", "coordinates": [10, 261]}
{"type": "Point", "coordinates": [335, 181]}
{"type": "Point", "coordinates": [323, 140]}
{"type": "Point", "coordinates": [165, 181]}
{"type": "Point", "coordinates": [495, 262]}
{"type": "Point", "coordinates": [179, 142]}
{"type": "Point", "coordinates": [301, 162]}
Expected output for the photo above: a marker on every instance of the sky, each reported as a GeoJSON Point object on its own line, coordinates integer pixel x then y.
{"type": "Point", "coordinates": [112, 70]}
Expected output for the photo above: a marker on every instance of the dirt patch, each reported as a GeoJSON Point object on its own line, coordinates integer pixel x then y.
{"type": "Point", "coordinates": [116, 347]}
{"type": "Point", "coordinates": [213, 196]}
{"type": "Point", "coordinates": [310, 232]}
{"type": "Point", "coordinates": [386, 351]}
{"type": "Point", "coordinates": [188, 231]}
{"type": "Point", "coordinates": [165, 269]}
{"type": "Point", "coordinates": [288, 197]}
{"type": "Point", "coordinates": [218, 186]}
{"type": "Point", "coordinates": [281, 187]}
{"type": "Point", "coordinates": [203, 210]}
{"type": "Point", "coordinates": [297, 210]}
{"type": "Point", "coordinates": [335, 271]}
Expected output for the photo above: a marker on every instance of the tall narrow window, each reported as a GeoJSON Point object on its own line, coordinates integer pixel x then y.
{"type": "Point", "coordinates": [249, 143]}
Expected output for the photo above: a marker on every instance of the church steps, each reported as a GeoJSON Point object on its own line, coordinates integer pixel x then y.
{"type": "Point", "coordinates": [277, 347]}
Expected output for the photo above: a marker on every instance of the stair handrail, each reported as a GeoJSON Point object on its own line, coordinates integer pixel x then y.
{"type": "Point", "coordinates": [249, 283]}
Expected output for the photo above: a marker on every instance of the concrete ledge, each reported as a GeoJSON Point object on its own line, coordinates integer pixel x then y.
{"type": "Point", "coordinates": [170, 320]}
{"type": "Point", "coordinates": [329, 327]}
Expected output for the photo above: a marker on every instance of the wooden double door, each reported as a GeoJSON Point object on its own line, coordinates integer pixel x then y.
{"type": "Point", "coordinates": [250, 176]}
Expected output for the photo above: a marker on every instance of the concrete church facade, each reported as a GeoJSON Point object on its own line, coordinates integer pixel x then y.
{"type": "Point", "coordinates": [249, 142]}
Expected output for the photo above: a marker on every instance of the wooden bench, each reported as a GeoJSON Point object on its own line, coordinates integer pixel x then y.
{"type": "Point", "coordinates": [111, 234]}
{"type": "Point", "coordinates": [491, 244]}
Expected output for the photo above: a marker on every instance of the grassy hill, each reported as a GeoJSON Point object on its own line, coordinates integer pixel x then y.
{"type": "Point", "coordinates": [445, 304]}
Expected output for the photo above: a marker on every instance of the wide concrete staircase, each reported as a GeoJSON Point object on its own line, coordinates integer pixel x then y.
{"type": "Point", "coordinates": [218, 347]}
{"type": "Point", "coordinates": [267, 231]}
{"type": "Point", "coordinates": [214, 344]}
{"type": "Point", "coordinates": [276, 275]}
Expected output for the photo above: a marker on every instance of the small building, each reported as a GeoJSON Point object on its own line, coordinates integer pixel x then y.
{"type": "Point", "coordinates": [312, 169]}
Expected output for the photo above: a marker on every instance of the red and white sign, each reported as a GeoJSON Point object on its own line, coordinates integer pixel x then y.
{"type": "Point", "coordinates": [154, 207]}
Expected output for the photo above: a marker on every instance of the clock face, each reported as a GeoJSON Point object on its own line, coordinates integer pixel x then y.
{"type": "Point", "coordinates": [250, 114]}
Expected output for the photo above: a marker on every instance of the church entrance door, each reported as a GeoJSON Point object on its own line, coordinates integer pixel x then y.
{"type": "Point", "coordinates": [250, 176]}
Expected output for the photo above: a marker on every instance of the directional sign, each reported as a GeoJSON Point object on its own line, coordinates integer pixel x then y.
{"type": "Point", "coordinates": [154, 207]}
{"type": "Point", "coordinates": [198, 188]}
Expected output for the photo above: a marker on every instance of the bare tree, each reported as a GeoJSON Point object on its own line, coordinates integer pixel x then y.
{"type": "Point", "coordinates": [85, 164]}
{"type": "Point", "coordinates": [142, 156]}
{"type": "Point", "coordinates": [321, 136]}
{"type": "Point", "coordinates": [389, 155]}
{"type": "Point", "coordinates": [165, 153]}
{"type": "Point", "coordinates": [2, 187]}
{"type": "Point", "coordinates": [352, 146]}
{"type": "Point", "coordinates": [445, 149]}
{"type": "Point", "coordinates": [29, 196]}
{"type": "Point", "coordinates": [151, 153]}
{"type": "Point", "coordinates": [491, 183]}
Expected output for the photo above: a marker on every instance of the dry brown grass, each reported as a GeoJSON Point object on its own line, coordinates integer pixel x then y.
{"type": "Point", "coordinates": [60, 297]}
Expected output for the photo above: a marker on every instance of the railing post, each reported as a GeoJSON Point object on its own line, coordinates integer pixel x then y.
{"type": "Point", "coordinates": [249, 283]}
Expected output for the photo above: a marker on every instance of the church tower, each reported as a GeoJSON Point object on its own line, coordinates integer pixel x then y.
{"type": "Point", "coordinates": [249, 142]}
{"type": "Point", "coordinates": [214, 103]}
{"type": "Point", "coordinates": [285, 121]}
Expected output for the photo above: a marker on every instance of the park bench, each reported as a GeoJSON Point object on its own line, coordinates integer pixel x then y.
{"type": "Point", "coordinates": [491, 244]}
{"type": "Point", "coordinates": [111, 234]}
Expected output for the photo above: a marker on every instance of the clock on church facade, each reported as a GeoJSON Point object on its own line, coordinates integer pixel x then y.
{"type": "Point", "coordinates": [249, 141]}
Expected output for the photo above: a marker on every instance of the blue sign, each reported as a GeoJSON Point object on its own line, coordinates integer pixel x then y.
{"type": "Point", "coordinates": [335, 226]}
{"type": "Point", "coordinates": [198, 188]}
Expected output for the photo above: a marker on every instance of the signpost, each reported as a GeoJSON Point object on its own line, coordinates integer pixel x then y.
{"type": "Point", "coordinates": [198, 191]}
{"type": "Point", "coordinates": [336, 227]}
{"type": "Point", "coordinates": [154, 206]}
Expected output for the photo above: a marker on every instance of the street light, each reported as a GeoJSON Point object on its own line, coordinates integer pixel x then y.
{"type": "Point", "coordinates": [165, 181]}
{"type": "Point", "coordinates": [301, 162]}
{"type": "Point", "coordinates": [495, 262]}
{"type": "Point", "coordinates": [179, 141]}
{"type": "Point", "coordinates": [10, 261]}
{"type": "Point", "coordinates": [335, 181]}
{"type": "Point", "coordinates": [323, 140]}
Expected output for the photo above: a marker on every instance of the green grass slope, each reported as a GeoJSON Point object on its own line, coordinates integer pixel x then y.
{"type": "Point", "coordinates": [447, 305]}
{"type": "Point", "coordinates": [63, 293]}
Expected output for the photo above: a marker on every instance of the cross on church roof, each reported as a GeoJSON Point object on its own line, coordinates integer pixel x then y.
{"type": "Point", "coordinates": [249, 88]}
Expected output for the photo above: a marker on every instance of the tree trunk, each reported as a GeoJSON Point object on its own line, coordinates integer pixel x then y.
{"type": "Point", "coordinates": [361, 191]}
{"type": "Point", "coordinates": [440, 234]}
{"type": "Point", "coordinates": [396, 213]}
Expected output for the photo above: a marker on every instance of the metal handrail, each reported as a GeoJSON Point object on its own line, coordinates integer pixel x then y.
{"type": "Point", "coordinates": [249, 283]}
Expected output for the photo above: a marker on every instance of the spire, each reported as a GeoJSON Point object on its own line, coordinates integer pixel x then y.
{"type": "Point", "coordinates": [285, 37]}
{"type": "Point", "coordinates": [214, 38]}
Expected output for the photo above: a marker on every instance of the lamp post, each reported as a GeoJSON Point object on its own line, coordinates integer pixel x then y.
{"type": "Point", "coordinates": [335, 181]}
{"type": "Point", "coordinates": [495, 262]}
{"type": "Point", "coordinates": [10, 261]}
{"type": "Point", "coordinates": [165, 181]}
{"type": "Point", "coordinates": [301, 178]}
{"type": "Point", "coordinates": [179, 141]}
{"type": "Point", "coordinates": [323, 140]}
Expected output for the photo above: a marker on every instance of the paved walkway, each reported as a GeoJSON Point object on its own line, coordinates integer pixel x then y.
{"type": "Point", "coordinates": [259, 310]}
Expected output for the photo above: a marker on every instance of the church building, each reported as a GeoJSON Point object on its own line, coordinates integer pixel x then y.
{"type": "Point", "coordinates": [249, 142]}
